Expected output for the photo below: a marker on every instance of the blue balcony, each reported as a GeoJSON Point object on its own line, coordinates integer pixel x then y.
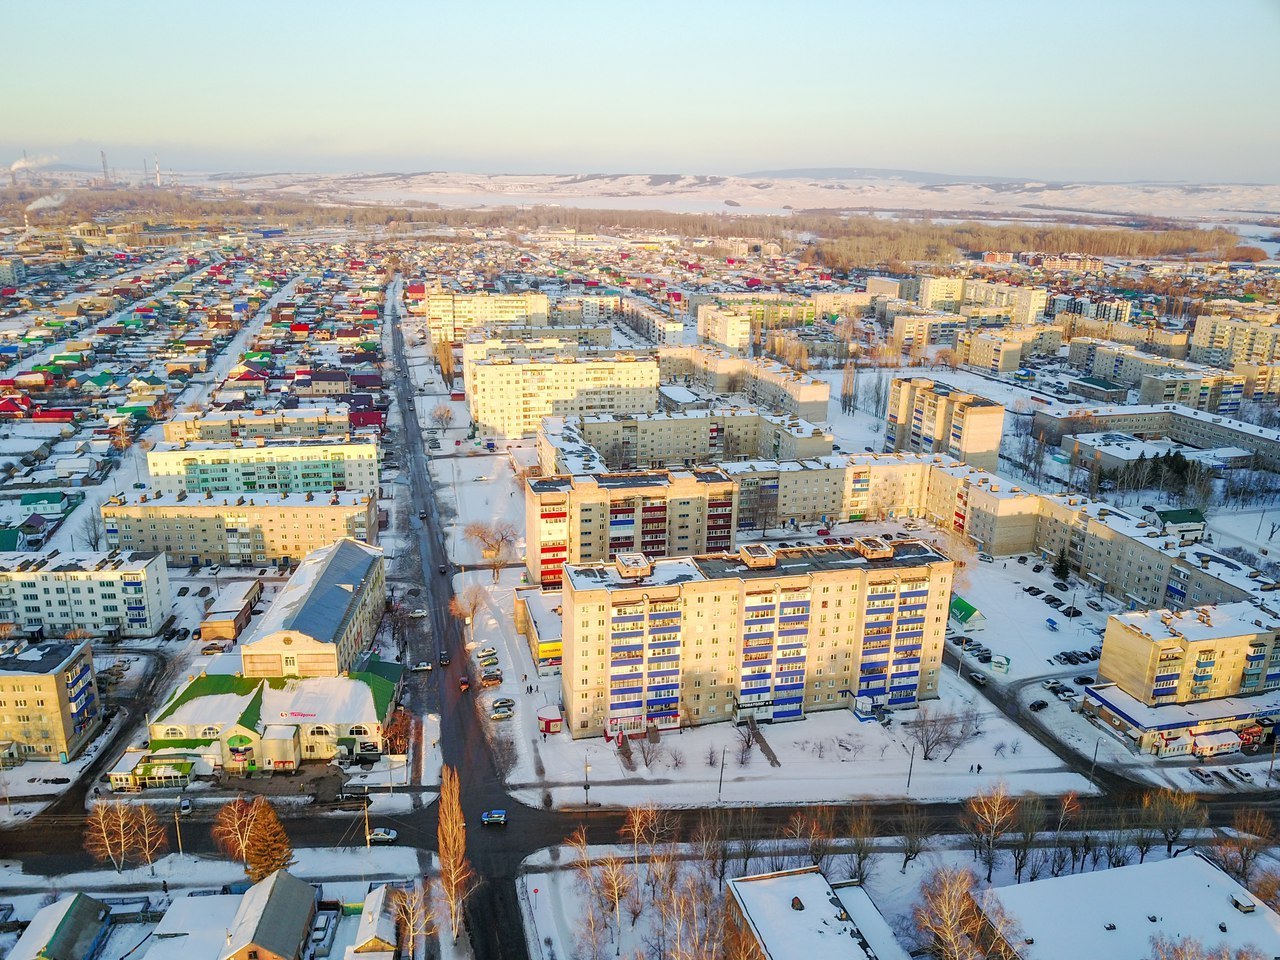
{"type": "Point", "coordinates": [630, 618]}
{"type": "Point", "coordinates": [627, 705]}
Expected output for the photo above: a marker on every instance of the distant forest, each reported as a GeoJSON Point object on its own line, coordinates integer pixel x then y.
{"type": "Point", "coordinates": [840, 242]}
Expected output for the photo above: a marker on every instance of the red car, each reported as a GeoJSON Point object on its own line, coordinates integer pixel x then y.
{"type": "Point", "coordinates": [824, 532]}
{"type": "Point", "coordinates": [464, 684]}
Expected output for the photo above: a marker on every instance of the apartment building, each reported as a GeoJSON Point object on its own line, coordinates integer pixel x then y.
{"type": "Point", "coordinates": [1004, 350]}
{"type": "Point", "coordinates": [238, 530]}
{"type": "Point", "coordinates": [323, 618]}
{"type": "Point", "coordinates": [509, 397]}
{"type": "Point", "coordinates": [583, 519]}
{"type": "Point", "coordinates": [49, 706]}
{"type": "Point", "coordinates": [724, 329]}
{"type": "Point", "coordinates": [1213, 391]}
{"type": "Point", "coordinates": [1228, 340]}
{"type": "Point", "coordinates": [783, 493]}
{"type": "Point", "coordinates": [12, 271]}
{"type": "Point", "coordinates": [1151, 337]}
{"type": "Point", "coordinates": [1021, 304]}
{"type": "Point", "coordinates": [754, 634]}
{"type": "Point", "coordinates": [940, 293]}
{"type": "Point", "coordinates": [319, 465]}
{"type": "Point", "coordinates": [1092, 307]}
{"type": "Point", "coordinates": [451, 315]}
{"type": "Point", "coordinates": [1194, 428]}
{"type": "Point", "coordinates": [1199, 653]}
{"type": "Point", "coordinates": [769, 310]}
{"type": "Point", "coordinates": [765, 382]}
{"type": "Point", "coordinates": [1135, 562]}
{"type": "Point", "coordinates": [481, 346]}
{"type": "Point", "coordinates": [651, 323]}
{"type": "Point", "coordinates": [925, 416]}
{"type": "Point", "coordinates": [117, 593]}
{"type": "Point", "coordinates": [1261, 380]}
{"type": "Point", "coordinates": [680, 439]}
{"type": "Point", "coordinates": [917, 330]}
{"type": "Point", "coordinates": [229, 425]}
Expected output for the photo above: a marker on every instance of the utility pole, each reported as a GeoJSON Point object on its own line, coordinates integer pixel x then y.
{"type": "Point", "coordinates": [911, 765]}
{"type": "Point", "coordinates": [177, 826]}
{"type": "Point", "coordinates": [366, 823]}
{"type": "Point", "coordinates": [721, 786]}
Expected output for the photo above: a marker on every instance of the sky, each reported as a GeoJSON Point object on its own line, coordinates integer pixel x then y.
{"type": "Point", "coordinates": [1087, 90]}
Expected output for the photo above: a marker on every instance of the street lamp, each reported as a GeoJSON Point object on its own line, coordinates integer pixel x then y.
{"type": "Point", "coordinates": [1094, 763]}
{"type": "Point", "coordinates": [586, 783]}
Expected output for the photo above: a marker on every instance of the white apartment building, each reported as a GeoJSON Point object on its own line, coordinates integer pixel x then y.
{"type": "Point", "coordinates": [1021, 304]}
{"type": "Point", "coordinates": [651, 323]}
{"type": "Point", "coordinates": [322, 465]}
{"type": "Point", "coordinates": [509, 397]}
{"type": "Point", "coordinates": [1109, 309]}
{"type": "Point", "coordinates": [229, 425]}
{"type": "Point", "coordinates": [925, 416]}
{"type": "Point", "coordinates": [765, 382]}
{"type": "Point", "coordinates": [1225, 341]}
{"type": "Point", "coordinates": [754, 634]}
{"type": "Point", "coordinates": [12, 271]}
{"type": "Point", "coordinates": [725, 329]}
{"type": "Point", "coordinates": [124, 593]}
{"type": "Point", "coordinates": [451, 316]}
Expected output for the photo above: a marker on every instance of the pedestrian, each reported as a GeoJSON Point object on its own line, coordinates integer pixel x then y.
{"type": "Point", "coordinates": [979, 768]}
{"type": "Point", "coordinates": [164, 885]}
{"type": "Point", "coordinates": [971, 768]}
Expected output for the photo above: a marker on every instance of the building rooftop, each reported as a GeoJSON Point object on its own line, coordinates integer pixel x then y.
{"type": "Point", "coordinates": [796, 915]}
{"type": "Point", "coordinates": [1177, 716]}
{"type": "Point", "coordinates": [89, 561]}
{"type": "Point", "coordinates": [323, 593]}
{"type": "Point", "coordinates": [267, 443]}
{"type": "Point", "coordinates": [38, 658]}
{"type": "Point", "coordinates": [1117, 912]}
{"type": "Point", "coordinates": [1200, 623]}
{"type": "Point", "coordinates": [220, 503]}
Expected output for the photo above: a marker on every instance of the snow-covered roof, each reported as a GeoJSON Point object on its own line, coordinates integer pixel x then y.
{"type": "Point", "coordinates": [1116, 912]}
{"type": "Point", "coordinates": [795, 915]}
{"type": "Point", "coordinates": [62, 931]}
{"type": "Point", "coordinates": [274, 915]}
{"type": "Point", "coordinates": [194, 928]}
{"type": "Point", "coordinates": [377, 919]}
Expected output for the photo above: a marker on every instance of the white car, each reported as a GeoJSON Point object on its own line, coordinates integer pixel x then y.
{"type": "Point", "coordinates": [418, 614]}
{"type": "Point", "coordinates": [422, 666]}
{"type": "Point", "coordinates": [382, 835]}
{"type": "Point", "coordinates": [486, 652]}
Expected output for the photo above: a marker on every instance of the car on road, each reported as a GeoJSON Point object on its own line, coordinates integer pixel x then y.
{"type": "Point", "coordinates": [494, 818]}
{"type": "Point", "coordinates": [464, 684]}
{"type": "Point", "coordinates": [422, 514]}
{"type": "Point", "coordinates": [978, 678]}
{"type": "Point", "coordinates": [418, 614]}
{"type": "Point", "coordinates": [441, 568]}
{"type": "Point", "coordinates": [501, 714]}
{"type": "Point", "coordinates": [422, 666]}
{"type": "Point", "coordinates": [504, 703]}
{"type": "Point", "coordinates": [382, 835]}
{"type": "Point", "coordinates": [184, 806]}
{"type": "Point", "coordinates": [1037, 705]}
{"type": "Point", "coordinates": [486, 652]}
{"type": "Point", "coordinates": [1083, 680]}
{"type": "Point", "coordinates": [488, 662]}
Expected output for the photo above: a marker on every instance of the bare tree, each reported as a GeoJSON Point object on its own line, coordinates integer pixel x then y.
{"type": "Point", "coordinates": [496, 541]}
{"type": "Point", "coordinates": [988, 817]}
{"type": "Point", "coordinates": [415, 915]}
{"type": "Point", "coordinates": [442, 416]}
{"type": "Point", "coordinates": [1173, 814]}
{"type": "Point", "coordinates": [233, 828]}
{"type": "Point", "coordinates": [915, 828]}
{"type": "Point", "coordinates": [935, 730]}
{"type": "Point", "coordinates": [463, 606]}
{"type": "Point", "coordinates": [109, 832]}
{"type": "Point", "coordinates": [90, 531]}
{"type": "Point", "coordinates": [946, 917]}
{"type": "Point", "coordinates": [591, 930]}
{"type": "Point", "coordinates": [150, 835]}
{"type": "Point", "coordinates": [615, 883]}
{"type": "Point", "coordinates": [861, 830]}
{"type": "Point", "coordinates": [1029, 823]}
{"type": "Point", "coordinates": [1252, 833]}
{"type": "Point", "coordinates": [457, 877]}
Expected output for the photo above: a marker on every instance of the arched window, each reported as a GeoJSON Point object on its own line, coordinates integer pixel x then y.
{"type": "Point", "coordinates": [359, 730]}
{"type": "Point", "coordinates": [320, 731]}
{"type": "Point", "coordinates": [173, 733]}
{"type": "Point", "coordinates": [210, 733]}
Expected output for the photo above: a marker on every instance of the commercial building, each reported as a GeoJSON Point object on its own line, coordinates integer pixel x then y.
{"type": "Point", "coordinates": [682, 439]}
{"type": "Point", "coordinates": [324, 617]}
{"type": "Point", "coordinates": [582, 519]}
{"type": "Point", "coordinates": [757, 634]}
{"type": "Point", "coordinates": [320, 465]}
{"type": "Point", "coordinates": [122, 593]}
{"type": "Point", "coordinates": [238, 530]}
{"type": "Point", "coordinates": [248, 725]}
{"type": "Point", "coordinates": [1120, 911]}
{"type": "Point", "coordinates": [509, 398]}
{"type": "Point", "coordinates": [1194, 428]}
{"type": "Point", "coordinates": [230, 425]}
{"type": "Point", "coordinates": [925, 416]}
{"type": "Point", "coordinates": [49, 707]}
{"type": "Point", "coordinates": [451, 315]}
{"type": "Point", "coordinates": [725, 329]}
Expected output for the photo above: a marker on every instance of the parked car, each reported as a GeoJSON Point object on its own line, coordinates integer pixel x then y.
{"type": "Point", "coordinates": [501, 714]}
{"type": "Point", "coordinates": [1054, 602]}
{"type": "Point", "coordinates": [422, 666]}
{"type": "Point", "coordinates": [1093, 604]}
{"type": "Point", "coordinates": [184, 806]}
{"type": "Point", "coordinates": [1035, 591]}
{"type": "Point", "coordinates": [494, 818]}
{"type": "Point", "coordinates": [486, 652]}
{"type": "Point", "coordinates": [1037, 705]}
{"type": "Point", "coordinates": [1037, 568]}
{"type": "Point", "coordinates": [1059, 585]}
{"type": "Point", "coordinates": [1022, 560]}
{"type": "Point", "coordinates": [382, 835]}
{"type": "Point", "coordinates": [1084, 680]}
{"type": "Point", "coordinates": [418, 614]}
{"type": "Point", "coordinates": [489, 662]}
{"type": "Point", "coordinates": [986, 558]}
{"type": "Point", "coordinates": [1072, 612]}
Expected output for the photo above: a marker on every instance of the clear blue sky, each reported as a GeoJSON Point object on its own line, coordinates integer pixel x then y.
{"type": "Point", "coordinates": [1089, 89]}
